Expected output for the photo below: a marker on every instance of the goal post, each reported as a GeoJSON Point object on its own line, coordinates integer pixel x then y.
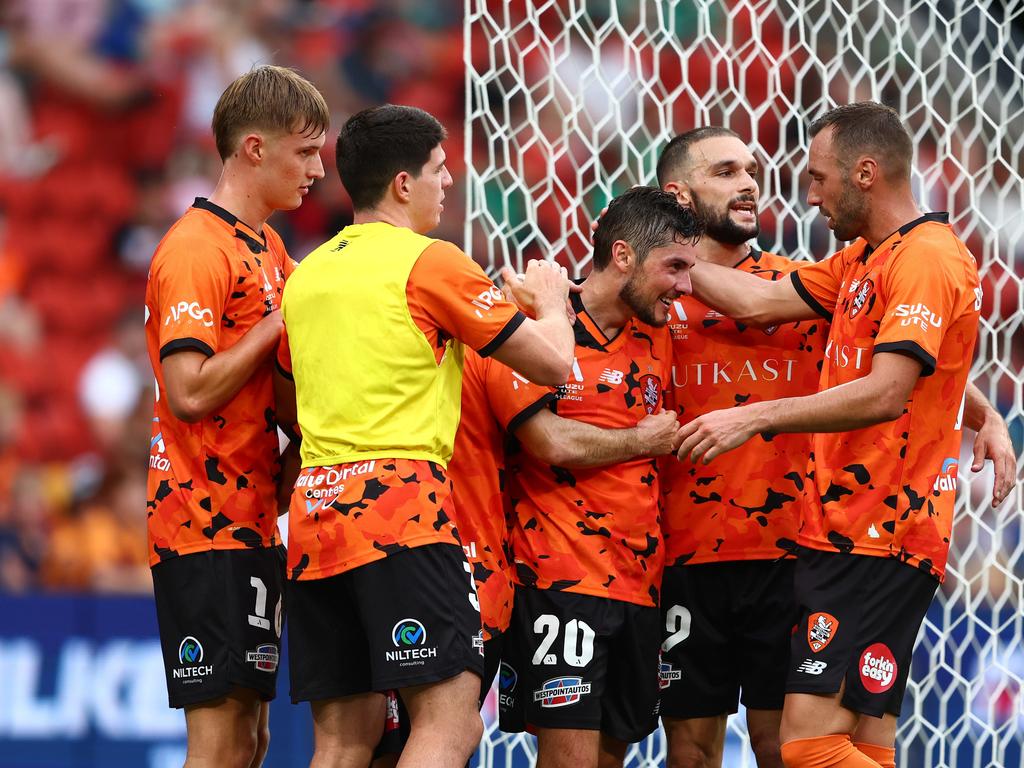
{"type": "Point", "coordinates": [568, 103]}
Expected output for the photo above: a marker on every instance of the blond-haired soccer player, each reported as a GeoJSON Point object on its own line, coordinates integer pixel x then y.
{"type": "Point", "coordinates": [903, 300]}
{"type": "Point", "coordinates": [212, 325]}
{"type": "Point", "coordinates": [381, 595]}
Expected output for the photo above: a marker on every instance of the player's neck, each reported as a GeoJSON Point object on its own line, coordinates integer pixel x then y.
{"type": "Point", "coordinates": [887, 216]}
{"type": "Point", "coordinates": [240, 201]}
{"type": "Point", "coordinates": [725, 254]}
{"type": "Point", "coordinates": [600, 298]}
{"type": "Point", "coordinates": [386, 212]}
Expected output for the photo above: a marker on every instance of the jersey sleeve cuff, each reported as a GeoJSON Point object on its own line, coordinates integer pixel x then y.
{"type": "Point", "coordinates": [809, 300]}
{"type": "Point", "coordinates": [910, 349]}
{"type": "Point", "coordinates": [177, 345]}
{"type": "Point", "coordinates": [510, 327]}
{"type": "Point", "coordinates": [283, 371]}
{"type": "Point", "coordinates": [530, 411]}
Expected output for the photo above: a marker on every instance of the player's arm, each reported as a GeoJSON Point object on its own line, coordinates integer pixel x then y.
{"type": "Point", "coordinates": [992, 442]}
{"type": "Point", "coordinates": [197, 384]}
{"type": "Point", "coordinates": [288, 421]}
{"type": "Point", "coordinates": [878, 397]}
{"type": "Point", "coordinates": [541, 348]}
{"type": "Point", "coordinates": [747, 298]}
{"type": "Point", "coordinates": [575, 444]}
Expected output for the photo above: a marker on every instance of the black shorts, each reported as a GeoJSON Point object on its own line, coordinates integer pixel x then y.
{"type": "Point", "coordinates": [396, 727]}
{"type": "Point", "coordinates": [219, 614]}
{"type": "Point", "coordinates": [580, 662]}
{"type": "Point", "coordinates": [859, 618]}
{"type": "Point", "coordinates": [408, 619]}
{"type": "Point", "coordinates": [492, 659]}
{"type": "Point", "coordinates": [726, 629]}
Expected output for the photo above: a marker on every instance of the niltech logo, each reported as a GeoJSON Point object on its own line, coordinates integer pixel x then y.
{"type": "Point", "coordinates": [190, 651]}
{"type": "Point", "coordinates": [408, 632]}
{"type": "Point", "coordinates": [561, 692]}
{"type": "Point", "coordinates": [507, 678]}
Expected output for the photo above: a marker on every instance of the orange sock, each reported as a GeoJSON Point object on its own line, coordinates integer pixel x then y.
{"type": "Point", "coordinates": [884, 756]}
{"type": "Point", "coordinates": [836, 751]}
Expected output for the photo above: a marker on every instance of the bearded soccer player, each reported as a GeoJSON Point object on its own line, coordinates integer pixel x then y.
{"type": "Point", "coordinates": [381, 595]}
{"type": "Point", "coordinates": [479, 474]}
{"type": "Point", "coordinates": [583, 641]}
{"type": "Point", "coordinates": [212, 326]}
{"type": "Point", "coordinates": [903, 300]}
{"type": "Point", "coordinates": [730, 532]}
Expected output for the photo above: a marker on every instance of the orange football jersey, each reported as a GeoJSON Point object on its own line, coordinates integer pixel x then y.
{"type": "Point", "coordinates": [212, 484]}
{"type": "Point", "coordinates": [745, 505]}
{"type": "Point", "coordinates": [888, 490]}
{"type": "Point", "coordinates": [396, 504]}
{"type": "Point", "coordinates": [593, 531]}
{"type": "Point", "coordinates": [477, 472]}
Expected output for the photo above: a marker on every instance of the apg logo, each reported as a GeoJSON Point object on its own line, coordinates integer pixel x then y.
{"type": "Point", "coordinates": [561, 692]}
{"type": "Point", "coordinates": [409, 632]}
{"type": "Point", "coordinates": [190, 651]}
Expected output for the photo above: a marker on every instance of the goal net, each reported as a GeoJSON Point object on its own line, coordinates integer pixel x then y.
{"type": "Point", "coordinates": [568, 103]}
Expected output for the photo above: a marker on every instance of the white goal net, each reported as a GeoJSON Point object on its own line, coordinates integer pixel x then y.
{"type": "Point", "coordinates": [568, 104]}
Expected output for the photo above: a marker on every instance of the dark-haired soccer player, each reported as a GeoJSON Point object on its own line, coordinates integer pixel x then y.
{"type": "Point", "coordinates": [381, 595]}
{"type": "Point", "coordinates": [903, 300]}
{"type": "Point", "coordinates": [727, 592]}
{"type": "Point", "coordinates": [730, 532]}
{"type": "Point", "coordinates": [583, 641]}
{"type": "Point", "coordinates": [212, 325]}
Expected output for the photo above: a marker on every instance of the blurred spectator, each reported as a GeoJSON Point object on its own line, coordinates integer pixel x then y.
{"type": "Point", "coordinates": [102, 544]}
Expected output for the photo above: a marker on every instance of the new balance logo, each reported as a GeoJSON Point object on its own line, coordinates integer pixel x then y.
{"type": "Point", "coordinates": [611, 376]}
{"type": "Point", "coordinates": [811, 667]}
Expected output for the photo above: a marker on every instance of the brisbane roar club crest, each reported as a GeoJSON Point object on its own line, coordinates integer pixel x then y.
{"type": "Point", "coordinates": [650, 390]}
{"type": "Point", "coordinates": [821, 628]}
{"type": "Point", "coordinates": [862, 299]}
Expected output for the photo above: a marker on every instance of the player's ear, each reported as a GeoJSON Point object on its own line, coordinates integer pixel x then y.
{"type": "Point", "coordinates": [681, 192]}
{"type": "Point", "coordinates": [623, 256]}
{"type": "Point", "coordinates": [253, 147]}
{"type": "Point", "coordinates": [401, 187]}
{"type": "Point", "coordinates": [865, 172]}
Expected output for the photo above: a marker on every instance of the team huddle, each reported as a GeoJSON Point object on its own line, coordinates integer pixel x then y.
{"type": "Point", "coordinates": [702, 475]}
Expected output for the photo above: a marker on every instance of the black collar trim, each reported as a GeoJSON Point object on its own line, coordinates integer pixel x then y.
{"type": "Point", "coordinates": [255, 245]}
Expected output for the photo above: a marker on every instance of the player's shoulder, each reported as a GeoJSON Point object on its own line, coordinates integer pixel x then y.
{"type": "Point", "coordinates": [932, 240]}
{"type": "Point", "coordinates": [196, 236]}
{"type": "Point", "coordinates": [768, 264]}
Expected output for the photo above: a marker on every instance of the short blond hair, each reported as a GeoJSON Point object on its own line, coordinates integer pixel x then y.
{"type": "Point", "coordinates": [268, 98]}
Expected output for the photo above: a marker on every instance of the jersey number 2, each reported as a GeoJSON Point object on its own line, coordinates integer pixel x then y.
{"type": "Point", "coordinates": [577, 647]}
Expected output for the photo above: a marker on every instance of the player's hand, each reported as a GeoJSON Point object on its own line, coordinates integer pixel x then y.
{"type": "Point", "coordinates": [993, 443]}
{"type": "Point", "coordinates": [269, 329]}
{"type": "Point", "coordinates": [657, 433]}
{"type": "Point", "coordinates": [593, 224]}
{"type": "Point", "coordinates": [716, 432]}
{"type": "Point", "coordinates": [542, 289]}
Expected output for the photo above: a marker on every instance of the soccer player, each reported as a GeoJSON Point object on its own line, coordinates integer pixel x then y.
{"type": "Point", "coordinates": [479, 475]}
{"type": "Point", "coordinates": [903, 300]}
{"type": "Point", "coordinates": [380, 592]}
{"type": "Point", "coordinates": [582, 647]}
{"type": "Point", "coordinates": [730, 532]}
{"type": "Point", "coordinates": [212, 325]}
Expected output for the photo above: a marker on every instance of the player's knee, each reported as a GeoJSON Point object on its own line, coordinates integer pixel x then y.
{"type": "Point", "coordinates": [262, 745]}
{"type": "Point", "coordinates": [766, 747]}
{"type": "Point", "coordinates": [687, 753]}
